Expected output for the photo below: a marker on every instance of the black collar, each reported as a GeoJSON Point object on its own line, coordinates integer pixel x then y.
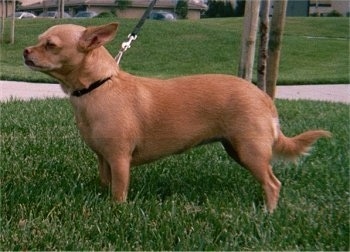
{"type": "Point", "coordinates": [93, 86]}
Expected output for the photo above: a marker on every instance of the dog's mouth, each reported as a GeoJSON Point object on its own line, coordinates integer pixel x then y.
{"type": "Point", "coordinates": [29, 63]}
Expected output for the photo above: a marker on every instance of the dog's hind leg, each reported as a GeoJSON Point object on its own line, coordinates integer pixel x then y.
{"type": "Point", "coordinates": [231, 150]}
{"type": "Point", "coordinates": [270, 184]}
{"type": "Point", "coordinates": [256, 156]}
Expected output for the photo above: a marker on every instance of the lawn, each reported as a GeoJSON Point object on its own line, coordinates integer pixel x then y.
{"type": "Point", "coordinates": [315, 50]}
{"type": "Point", "coordinates": [200, 200]}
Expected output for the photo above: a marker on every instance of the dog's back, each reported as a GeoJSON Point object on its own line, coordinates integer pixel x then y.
{"type": "Point", "coordinates": [176, 114]}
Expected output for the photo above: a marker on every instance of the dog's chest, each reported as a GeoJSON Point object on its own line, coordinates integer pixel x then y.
{"type": "Point", "coordinates": [102, 124]}
{"type": "Point", "coordinates": [85, 125]}
{"type": "Point", "coordinates": [89, 120]}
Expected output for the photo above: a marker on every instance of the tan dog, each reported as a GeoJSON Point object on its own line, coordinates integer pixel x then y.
{"type": "Point", "coordinates": [129, 120]}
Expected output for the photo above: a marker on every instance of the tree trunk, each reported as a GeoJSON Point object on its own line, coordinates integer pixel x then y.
{"type": "Point", "coordinates": [3, 20]}
{"type": "Point", "coordinates": [251, 17]}
{"type": "Point", "coordinates": [263, 46]}
{"type": "Point", "coordinates": [61, 9]}
{"type": "Point", "coordinates": [275, 43]}
{"type": "Point", "coordinates": [12, 39]}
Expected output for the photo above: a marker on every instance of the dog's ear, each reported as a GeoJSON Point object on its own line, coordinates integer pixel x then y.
{"type": "Point", "coordinates": [96, 36]}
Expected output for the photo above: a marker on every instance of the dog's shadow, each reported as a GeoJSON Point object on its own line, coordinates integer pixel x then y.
{"type": "Point", "coordinates": [199, 175]}
{"type": "Point", "coordinates": [196, 180]}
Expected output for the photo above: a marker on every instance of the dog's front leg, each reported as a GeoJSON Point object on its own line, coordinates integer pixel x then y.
{"type": "Point", "coordinates": [120, 173]}
{"type": "Point", "coordinates": [104, 170]}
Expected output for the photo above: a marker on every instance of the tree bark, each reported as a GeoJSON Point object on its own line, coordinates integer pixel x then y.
{"type": "Point", "coordinates": [3, 20]}
{"type": "Point", "coordinates": [61, 9]}
{"type": "Point", "coordinates": [263, 46]}
{"type": "Point", "coordinates": [275, 43]}
{"type": "Point", "coordinates": [251, 17]}
{"type": "Point", "coordinates": [12, 39]}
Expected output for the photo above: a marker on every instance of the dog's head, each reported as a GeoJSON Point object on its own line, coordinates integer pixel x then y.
{"type": "Point", "coordinates": [63, 50]}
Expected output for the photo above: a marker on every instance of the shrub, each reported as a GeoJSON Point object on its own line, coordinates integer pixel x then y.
{"type": "Point", "coordinates": [108, 14]}
{"type": "Point", "coordinates": [334, 13]}
{"type": "Point", "coordinates": [181, 9]}
{"type": "Point", "coordinates": [123, 4]}
{"type": "Point", "coordinates": [220, 9]}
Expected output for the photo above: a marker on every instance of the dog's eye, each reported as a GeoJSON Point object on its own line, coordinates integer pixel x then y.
{"type": "Point", "coordinates": [49, 45]}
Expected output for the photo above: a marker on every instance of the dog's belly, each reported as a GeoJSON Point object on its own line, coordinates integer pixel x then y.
{"type": "Point", "coordinates": [146, 155]}
{"type": "Point", "coordinates": [153, 148]}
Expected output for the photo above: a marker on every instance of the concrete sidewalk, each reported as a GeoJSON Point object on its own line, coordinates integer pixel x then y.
{"type": "Point", "coordinates": [26, 91]}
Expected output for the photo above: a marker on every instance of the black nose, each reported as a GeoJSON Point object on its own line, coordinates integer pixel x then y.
{"type": "Point", "coordinates": [26, 52]}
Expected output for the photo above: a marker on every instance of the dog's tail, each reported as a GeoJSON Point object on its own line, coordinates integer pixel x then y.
{"type": "Point", "coordinates": [292, 147]}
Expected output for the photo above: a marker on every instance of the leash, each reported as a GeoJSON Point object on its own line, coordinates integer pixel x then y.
{"type": "Point", "coordinates": [133, 35]}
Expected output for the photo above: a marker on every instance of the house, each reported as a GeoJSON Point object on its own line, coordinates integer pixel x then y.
{"type": "Point", "coordinates": [323, 7]}
{"type": "Point", "coordinates": [134, 8]}
{"type": "Point", "coordinates": [137, 8]}
{"type": "Point", "coordinates": [297, 8]}
{"type": "Point", "coordinates": [304, 8]}
{"type": "Point", "coordinates": [6, 8]}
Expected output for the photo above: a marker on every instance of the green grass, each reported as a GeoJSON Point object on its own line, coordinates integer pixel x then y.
{"type": "Point", "coordinates": [200, 200]}
{"type": "Point", "coordinates": [315, 50]}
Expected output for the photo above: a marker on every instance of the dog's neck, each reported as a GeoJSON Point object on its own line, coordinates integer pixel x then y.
{"type": "Point", "coordinates": [97, 66]}
{"type": "Point", "coordinates": [92, 87]}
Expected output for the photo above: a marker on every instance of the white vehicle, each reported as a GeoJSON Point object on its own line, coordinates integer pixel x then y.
{"type": "Point", "coordinates": [23, 15]}
{"type": "Point", "coordinates": [53, 14]}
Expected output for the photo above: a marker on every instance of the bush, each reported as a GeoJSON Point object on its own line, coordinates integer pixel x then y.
{"type": "Point", "coordinates": [109, 14]}
{"type": "Point", "coordinates": [123, 4]}
{"type": "Point", "coordinates": [219, 9]}
{"type": "Point", "coordinates": [334, 13]}
{"type": "Point", "coordinates": [181, 9]}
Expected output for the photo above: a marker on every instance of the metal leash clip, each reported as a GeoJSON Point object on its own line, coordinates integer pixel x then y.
{"type": "Point", "coordinates": [125, 46]}
{"type": "Point", "coordinates": [132, 36]}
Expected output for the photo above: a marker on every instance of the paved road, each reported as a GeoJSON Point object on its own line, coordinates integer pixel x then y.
{"type": "Point", "coordinates": [26, 91]}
